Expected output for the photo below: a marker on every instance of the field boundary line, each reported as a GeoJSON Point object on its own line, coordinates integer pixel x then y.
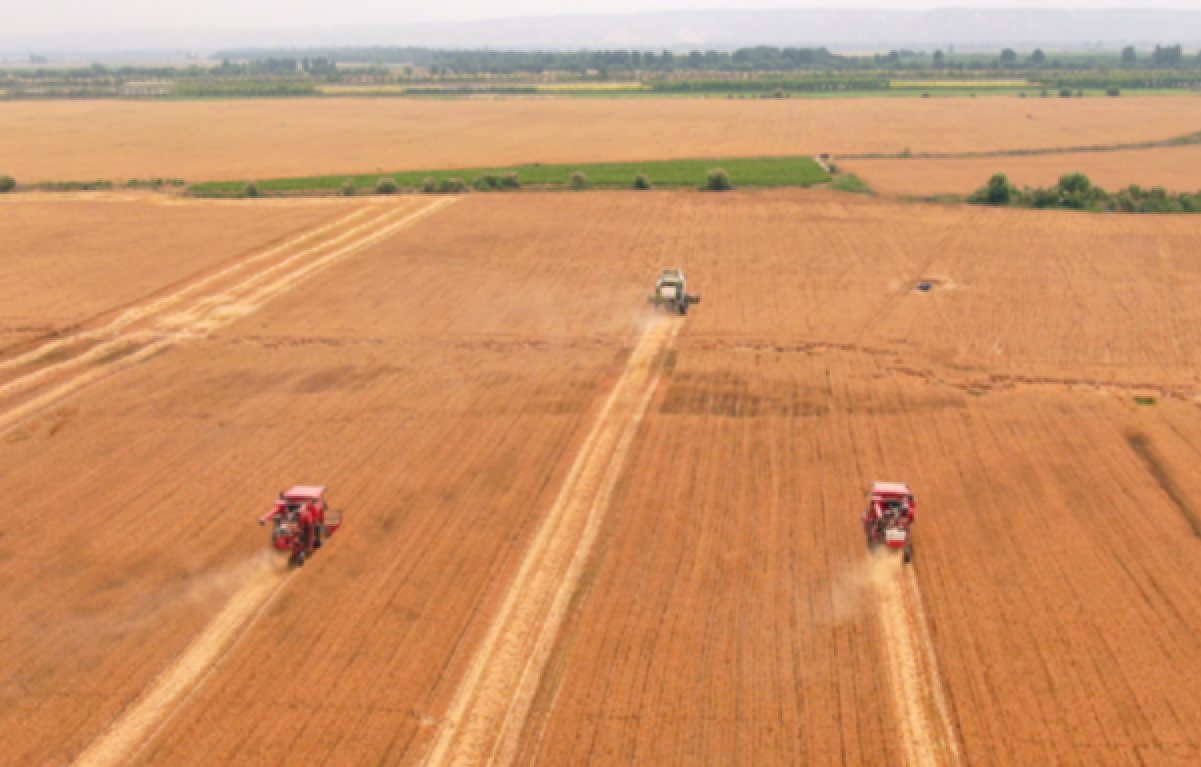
{"type": "Point", "coordinates": [483, 723]}
{"type": "Point", "coordinates": [137, 725]}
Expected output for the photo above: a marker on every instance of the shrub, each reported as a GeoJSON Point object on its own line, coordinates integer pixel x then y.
{"type": "Point", "coordinates": [1079, 94]}
{"type": "Point", "coordinates": [718, 181]}
{"type": "Point", "coordinates": [451, 186]}
{"type": "Point", "coordinates": [1113, 92]}
{"type": "Point", "coordinates": [833, 169]}
{"type": "Point", "coordinates": [578, 181]}
{"type": "Point", "coordinates": [7, 184]}
{"type": "Point", "coordinates": [1065, 93]}
{"type": "Point", "coordinates": [491, 180]}
{"type": "Point", "coordinates": [347, 189]}
{"type": "Point", "coordinates": [642, 182]}
{"type": "Point", "coordinates": [429, 186]}
{"type": "Point", "coordinates": [510, 181]}
{"type": "Point", "coordinates": [252, 189]}
{"type": "Point", "coordinates": [1044, 94]}
{"type": "Point", "coordinates": [386, 186]}
{"type": "Point", "coordinates": [925, 95]}
{"type": "Point", "coordinates": [482, 184]}
{"type": "Point", "coordinates": [905, 153]}
{"type": "Point", "coordinates": [999, 190]}
{"type": "Point", "coordinates": [779, 93]}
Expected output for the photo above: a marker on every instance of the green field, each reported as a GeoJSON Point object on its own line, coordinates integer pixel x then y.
{"type": "Point", "coordinates": [745, 171]}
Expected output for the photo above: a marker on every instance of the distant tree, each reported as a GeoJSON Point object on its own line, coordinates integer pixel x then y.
{"type": "Point", "coordinates": [642, 182]}
{"type": "Point", "coordinates": [1075, 183]}
{"type": "Point", "coordinates": [386, 186]}
{"type": "Point", "coordinates": [696, 59]}
{"type": "Point", "coordinates": [1037, 57]}
{"type": "Point", "coordinates": [1167, 57]}
{"type": "Point", "coordinates": [937, 60]}
{"type": "Point", "coordinates": [1129, 56]}
{"type": "Point", "coordinates": [510, 181]}
{"type": "Point", "coordinates": [429, 186]}
{"type": "Point", "coordinates": [1009, 58]}
{"type": "Point", "coordinates": [250, 190]}
{"type": "Point", "coordinates": [7, 184]}
{"type": "Point", "coordinates": [1000, 191]}
{"type": "Point", "coordinates": [718, 181]}
{"type": "Point", "coordinates": [578, 181]}
{"type": "Point", "coordinates": [347, 189]}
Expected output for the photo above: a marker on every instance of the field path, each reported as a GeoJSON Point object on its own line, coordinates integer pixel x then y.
{"type": "Point", "coordinates": [483, 724]}
{"type": "Point", "coordinates": [49, 372]}
{"type": "Point", "coordinates": [138, 724]}
{"type": "Point", "coordinates": [927, 738]}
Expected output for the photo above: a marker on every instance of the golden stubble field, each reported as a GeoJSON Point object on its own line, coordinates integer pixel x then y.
{"type": "Point", "coordinates": [578, 533]}
{"type": "Point", "coordinates": [199, 141]}
{"type": "Point", "coordinates": [1177, 169]}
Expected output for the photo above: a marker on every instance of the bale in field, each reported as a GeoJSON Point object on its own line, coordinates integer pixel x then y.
{"type": "Point", "coordinates": [251, 189]}
{"type": "Point", "coordinates": [642, 182]}
{"type": "Point", "coordinates": [7, 184]}
{"type": "Point", "coordinates": [578, 181]}
{"type": "Point", "coordinates": [386, 186]}
{"type": "Point", "coordinates": [718, 181]}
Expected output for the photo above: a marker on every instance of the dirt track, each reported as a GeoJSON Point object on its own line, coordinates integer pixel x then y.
{"type": "Point", "coordinates": [444, 381]}
{"type": "Point", "coordinates": [209, 140]}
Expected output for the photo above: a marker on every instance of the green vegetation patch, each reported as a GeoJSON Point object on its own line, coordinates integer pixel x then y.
{"type": "Point", "coordinates": [748, 171]}
{"type": "Point", "coordinates": [1076, 192]}
{"type": "Point", "coordinates": [849, 182]}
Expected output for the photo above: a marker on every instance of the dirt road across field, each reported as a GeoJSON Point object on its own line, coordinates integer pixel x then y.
{"type": "Point", "coordinates": [48, 372]}
{"type": "Point", "coordinates": [263, 578]}
{"type": "Point", "coordinates": [484, 722]}
{"type": "Point", "coordinates": [921, 709]}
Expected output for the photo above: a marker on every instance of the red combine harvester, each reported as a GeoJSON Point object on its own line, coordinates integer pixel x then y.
{"type": "Point", "coordinates": [888, 521]}
{"type": "Point", "coordinates": [301, 522]}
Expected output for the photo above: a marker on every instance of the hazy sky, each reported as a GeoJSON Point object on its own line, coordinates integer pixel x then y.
{"type": "Point", "coordinates": [38, 17]}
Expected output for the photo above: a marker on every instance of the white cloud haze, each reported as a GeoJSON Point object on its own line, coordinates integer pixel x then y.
{"type": "Point", "coordinates": [46, 17]}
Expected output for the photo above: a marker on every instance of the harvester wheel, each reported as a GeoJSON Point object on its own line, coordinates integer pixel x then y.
{"type": "Point", "coordinates": [298, 559]}
{"type": "Point", "coordinates": [909, 554]}
{"type": "Point", "coordinates": [317, 536]}
{"type": "Point", "coordinates": [683, 309]}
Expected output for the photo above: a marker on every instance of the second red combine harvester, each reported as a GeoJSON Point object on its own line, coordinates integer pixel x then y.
{"type": "Point", "coordinates": [888, 520]}
{"type": "Point", "coordinates": [301, 522]}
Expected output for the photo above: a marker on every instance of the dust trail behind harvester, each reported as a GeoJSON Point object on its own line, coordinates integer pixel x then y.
{"type": "Point", "coordinates": [484, 722]}
{"type": "Point", "coordinates": [138, 723]}
{"type": "Point", "coordinates": [926, 734]}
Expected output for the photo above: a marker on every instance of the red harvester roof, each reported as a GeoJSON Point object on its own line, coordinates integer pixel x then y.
{"type": "Point", "coordinates": [890, 488]}
{"type": "Point", "coordinates": [304, 492]}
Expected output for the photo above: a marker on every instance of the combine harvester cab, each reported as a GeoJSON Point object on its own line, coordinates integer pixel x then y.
{"type": "Point", "coordinates": [301, 522]}
{"type": "Point", "coordinates": [671, 292]}
{"type": "Point", "coordinates": [888, 520]}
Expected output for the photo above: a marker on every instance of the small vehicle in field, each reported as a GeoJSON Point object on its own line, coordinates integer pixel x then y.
{"type": "Point", "coordinates": [888, 520]}
{"type": "Point", "coordinates": [301, 522]}
{"type": "Point", "coordinates": [671, 292]}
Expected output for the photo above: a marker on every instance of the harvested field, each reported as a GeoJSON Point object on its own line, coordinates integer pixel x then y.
{"type": "Point", "coordinates": [1176, 169]}
{"type": "Point", "coordinates": [579, 535]}
{"type": "Point", "coordinates": [220, 140]}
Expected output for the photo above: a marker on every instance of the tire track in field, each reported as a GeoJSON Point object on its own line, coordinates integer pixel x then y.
{"type": "Point", "coordinates": [142, 331]}
{"type": "Point", "coordinates": [922, 716]}
{"type": "Point", "coordinates": [484, 721]}
{"type": "Point", "coordinates": [137, 725]}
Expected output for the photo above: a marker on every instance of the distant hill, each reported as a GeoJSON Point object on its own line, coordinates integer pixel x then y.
{"type": "Point", "coordinates": [840, 30]}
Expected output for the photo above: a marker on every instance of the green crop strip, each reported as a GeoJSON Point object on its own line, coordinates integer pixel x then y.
{"type": "Point", "coordinates": [749, 171]}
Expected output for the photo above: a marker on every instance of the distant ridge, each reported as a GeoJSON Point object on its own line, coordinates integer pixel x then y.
{"type": "Point", "coordinates": [839, 30]}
